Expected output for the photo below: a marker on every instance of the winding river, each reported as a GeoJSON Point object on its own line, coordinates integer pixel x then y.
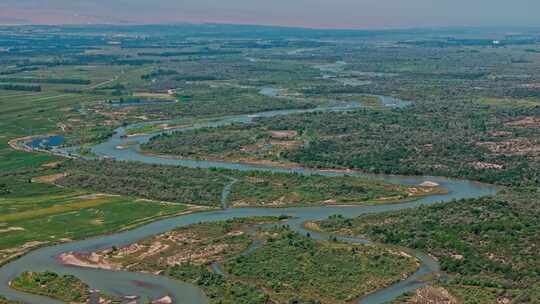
{"type": "Point", "coordinates": [148, 286]}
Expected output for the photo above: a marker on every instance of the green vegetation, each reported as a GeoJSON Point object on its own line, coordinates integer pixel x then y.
{"type": "Point", "coordinates": [204, 187]}
{"type": "Point", "coordinates": [446, 293]}
{"type": "Point", "coordinates": [475, 114]}
{"type": "Point", "coordinates": [6, 301]}
{"type": "Point", "coordinates": [164, 183]}
{"type": "Point", "coordinates": [19, 87]}
{"type": "Point", "coordinates": [185, 254]}
{"type": "Point", "coordinates": [510, 102]}
{"type": "Point", "coordinates": [46, 80]}
{"type": "Point", "coordinates": [281, 266]}
{"type": "Point", "coordinates": [496, 145]}
{"type": "Point", "coordinates": [487, 245]}
{"type": "Point", "coordinates": [280, 190]}
{"type": "Point", "coordinates": [217, 143]}
{"type": "Point", "coordinates": [199, 244]}
{"type": "Point", "coordinates": [206, 101]}
{"type": "Point", "coordinates": [218, 289]}
{"type": "Point", "coordinates": [44, 214]}
{"type": "Point", "coordinates": [297, 269]}
{"type": "Point", "coordinates": [66, 288]}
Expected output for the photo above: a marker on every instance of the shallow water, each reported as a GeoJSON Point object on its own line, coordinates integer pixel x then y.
{"type": "Point", "coordinates": [46, 142]}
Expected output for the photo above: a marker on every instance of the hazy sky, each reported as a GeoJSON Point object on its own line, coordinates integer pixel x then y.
{"type": "Point", "coordinates": [309, 13]}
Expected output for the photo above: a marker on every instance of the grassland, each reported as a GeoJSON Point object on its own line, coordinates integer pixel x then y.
{"type": "Point", "coordinates": [510, 102]}
{"type": "Point", "coordinates": [46, 214]}
{"type": "Point", "coordinates": [34, 213]}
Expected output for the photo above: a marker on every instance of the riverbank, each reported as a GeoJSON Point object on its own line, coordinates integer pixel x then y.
{"type": "Point", "coordinates": [123, 283]}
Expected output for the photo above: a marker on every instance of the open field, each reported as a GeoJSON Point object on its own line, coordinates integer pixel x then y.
{"type": "Point", "coordinates": [46, 214]}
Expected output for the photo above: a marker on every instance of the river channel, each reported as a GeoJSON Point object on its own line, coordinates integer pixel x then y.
{"type": "Point", "coordinates": [147, 286]}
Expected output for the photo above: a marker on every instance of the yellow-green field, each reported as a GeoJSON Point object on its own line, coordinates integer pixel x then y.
{"type": "Point", "coordinates": [44, 214]}
{"type": "Point", "coordinates": [510, 102]}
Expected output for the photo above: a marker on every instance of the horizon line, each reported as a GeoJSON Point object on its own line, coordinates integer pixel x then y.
{"type": "Point", "coordinates": [379, 29]}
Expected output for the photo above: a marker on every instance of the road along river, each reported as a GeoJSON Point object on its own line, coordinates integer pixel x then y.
{"type": "Point", "coordinates": [148, 286]}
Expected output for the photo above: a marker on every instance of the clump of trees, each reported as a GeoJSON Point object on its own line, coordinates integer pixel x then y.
{"type": "Point", "coordinates": [167, 183]}
{"type": "Point", "coordinates": [47, 80]}
{"type": "Point", "coordinates": [20, 87]}
{"type": "Point", "coordinates": [66, 288]}
{"type": "Point", "coordinates": [205, 186]}
{"type": "Point", "coordinates": [485, 243]}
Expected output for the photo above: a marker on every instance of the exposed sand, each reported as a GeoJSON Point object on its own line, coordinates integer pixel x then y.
{"type": "Point", "coordinates": [484, 166]}
{"type": "Point", "coordinates": [432, 295]}
{"type": "Point", "coordinates": [15, 143]}
{"type": "Point", "coordinates": [527, 122]}
{"type": "Point", "coordinates": [9, 229]}
{"type": "Point", "coordinates": [517, 146]}
{"type": "Point", "coordinates": [283, 134]}
{"type": "Point", "coordinates": [429, 184]}
{"type": "Point", "coordinates": [164, 300]}
{"type": "Point", "coordinates": [52, 164]}
{"type": "Point", "coordinates": [167, 95]}
{"type": "Point", "coordinates": [11, 253]}
{"type": "Point", "coordinates": [92, 260]}
{"type": "Point", "coordinates": [49, 179]}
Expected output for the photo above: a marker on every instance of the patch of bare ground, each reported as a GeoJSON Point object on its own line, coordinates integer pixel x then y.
{"type": "Point", "coordinates": [64, 127]}
{"type": "Point", "coordinates": [312, 226]}
{"type": "Point", "coordinates": [289, 199]}
{"type": "Point", "coordinates": [92, 260]}
{"type": "Point", "coordinates": [49, 179]}
{"type": "Point", "coordinates": [423, 189]}
{"type": "Point", "coordinates": [16, 144]}
{"type": "Point", "coordinates": [517, 146]}
{"type": "Point", "coordinates": [198, 256]}
{"type": "Point", "coordinates": [10, 229]}
{"type": "Point", "coordinates": [486, 166]}
{"type": "Point", "coordinates": [283, 134]}
{"type": "Point", "coordinates": [432, 295]}
{"type": "Point", "coordinates": [162, 251]}
{"type": "Point", "coordinates": [154, 95]}
{"type": "Point", "coordinates": [52, 165]}
{"type": "Point", "coordinates": [527, 122]}
{"type": "Point", "coordinates": [287, 144]}
{"type": "Point", "coordinates": [256, 161]}
{"type": "Point", "coordinates": [164, 300]}
{"type": "Point", "coordinates": [500, 133]}
{"type": "Point", "coordinates": [94, 196]}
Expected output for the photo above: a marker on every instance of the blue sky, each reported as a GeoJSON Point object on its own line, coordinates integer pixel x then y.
{"type": "Point", "coordinates": [308, 13]}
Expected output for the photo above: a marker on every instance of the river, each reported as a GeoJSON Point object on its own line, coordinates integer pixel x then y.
{"type": "Point", "coordinates": [148, 286]}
